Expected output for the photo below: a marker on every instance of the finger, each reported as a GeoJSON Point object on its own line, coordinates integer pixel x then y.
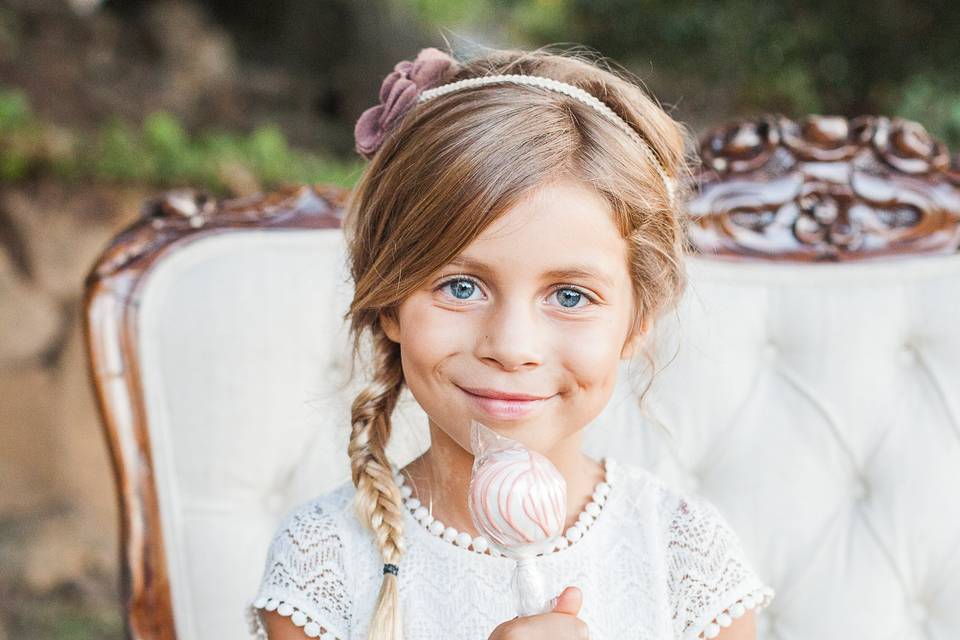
{"type": "Point", "coordinates": [569, 601]}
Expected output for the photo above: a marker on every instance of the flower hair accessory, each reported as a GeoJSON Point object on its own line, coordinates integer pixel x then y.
{"type": "Point", "coordinates": [398, 93]}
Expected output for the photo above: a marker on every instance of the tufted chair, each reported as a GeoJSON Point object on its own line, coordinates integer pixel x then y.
{"type": "Point", "coordinates": [808, 385]}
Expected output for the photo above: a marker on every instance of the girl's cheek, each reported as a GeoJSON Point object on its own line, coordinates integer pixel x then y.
{"type": "Point", "coordinates": [435, 334]}
{"type": "Point", "coordinates": [591, 350]}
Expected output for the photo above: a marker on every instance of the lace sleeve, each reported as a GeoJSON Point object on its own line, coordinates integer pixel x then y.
{"type": "Point", "coordinates": [710, 580]}
{"type": "Point", "coordinates": [304, 577]}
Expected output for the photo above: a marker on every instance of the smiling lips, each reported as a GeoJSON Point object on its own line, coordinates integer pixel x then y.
{"type": "Point", "coordinates": [502, 405]}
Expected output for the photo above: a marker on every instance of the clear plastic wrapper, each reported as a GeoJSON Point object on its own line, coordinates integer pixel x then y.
{"type": "Point", "coordinates": [518, 501]}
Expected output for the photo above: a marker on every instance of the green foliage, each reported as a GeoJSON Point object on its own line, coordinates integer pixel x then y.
{"type": "Point", "coordinates": [268, 152]}
{"type": "Point", "coordinates": [119, 155]}
{"type": "Point", "coordinates": [16, 126]}
{"type": "Point", "coordinates": [63, 614]}
{"type": "Point", "coordinates": [540, 19]}
{"type": "Point", "coordinates": [446, 12]}
{"type": "Point", "coordinates": [712, 59]}
{"type": "Point", "coordinates": [796, 58]}
{"type": "Point", "coordinates": [174, 157]}
{"type": "Point", "coordinates": [14, 110]}
{"type": "Point", "coordinates": [938, 109]}
{"type": "Point", "coordinates": [161, 152]}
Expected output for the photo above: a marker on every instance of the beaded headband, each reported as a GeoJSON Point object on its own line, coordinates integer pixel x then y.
{"type": "Point", "coordinates": [560, 87]}
{"type": "Point", "coordinates": [414, 82]}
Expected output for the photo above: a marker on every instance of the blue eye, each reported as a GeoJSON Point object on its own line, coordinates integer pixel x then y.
{"type": "Point", "coordinates": [572, 294]}
{"type": "Point", "coordinates": [463, 287]}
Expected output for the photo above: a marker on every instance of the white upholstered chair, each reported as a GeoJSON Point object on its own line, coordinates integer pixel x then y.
{"type": "Point", "coordinates": [816, 403]}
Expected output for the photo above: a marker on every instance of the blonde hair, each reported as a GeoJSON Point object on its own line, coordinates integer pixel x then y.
{"type": "Point", "coordinates": [452, 166]}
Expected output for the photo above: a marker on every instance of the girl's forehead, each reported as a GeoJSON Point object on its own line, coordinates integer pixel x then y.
{"type": "Point", "coordinates": [557, 229]}
{"type": "Point", "coordinates": [561, 213]}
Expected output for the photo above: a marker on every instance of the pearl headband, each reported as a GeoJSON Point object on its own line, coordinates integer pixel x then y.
{"type": "Point", "coordinates": [561, 87]}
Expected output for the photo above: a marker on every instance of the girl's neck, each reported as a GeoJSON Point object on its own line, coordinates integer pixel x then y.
{"type": "Point", "coordinates": [440, 478]}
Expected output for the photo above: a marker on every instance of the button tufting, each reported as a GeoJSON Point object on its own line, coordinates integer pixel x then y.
{"type": "Point", "coordinates": [907, 355]}
{"type": "Point", "coordinates": [917, 611]}
{"type": "Point", "coordinates": [860, 489]}
{"type": "Point", "coordinates": [770, 351]}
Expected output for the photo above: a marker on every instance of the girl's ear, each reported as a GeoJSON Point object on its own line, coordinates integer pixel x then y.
{"type": "Point", "coordinates": [390, 326]}
{"type": "Point", "coordinates": [633, 341]}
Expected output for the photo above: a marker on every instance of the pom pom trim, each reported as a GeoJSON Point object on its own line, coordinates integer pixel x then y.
{"type": "Point", "coordinates": [756, 600]}
{"type": "Point", "coordinates": [311, 627]}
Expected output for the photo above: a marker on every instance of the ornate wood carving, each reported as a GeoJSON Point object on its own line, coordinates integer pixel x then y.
{"type": "Point", "coordinates": [825, 188]}
{"type": "Point", "coordinates": [110, 333]}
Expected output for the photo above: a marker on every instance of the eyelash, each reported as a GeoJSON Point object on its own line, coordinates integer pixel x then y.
{"type": "Point", "coordinates": [585, 294]}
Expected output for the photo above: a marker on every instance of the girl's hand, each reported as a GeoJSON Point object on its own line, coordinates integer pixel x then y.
{"type": "Point", "coordinates": [561, 623]}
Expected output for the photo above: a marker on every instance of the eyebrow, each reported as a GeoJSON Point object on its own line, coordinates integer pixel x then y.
{"type": "Point", "coordinates": [570, 271]}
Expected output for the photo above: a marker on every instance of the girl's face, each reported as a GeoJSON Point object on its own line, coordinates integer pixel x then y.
{"type": "Point", "coordinates": [540, 304]}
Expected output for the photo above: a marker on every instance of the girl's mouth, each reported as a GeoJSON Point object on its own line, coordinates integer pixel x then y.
{"type": "Point", "coordinates": [504, 409]}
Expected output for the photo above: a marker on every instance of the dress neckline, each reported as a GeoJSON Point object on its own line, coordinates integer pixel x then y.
{"type": "Point", "coordinates": [420, 518]}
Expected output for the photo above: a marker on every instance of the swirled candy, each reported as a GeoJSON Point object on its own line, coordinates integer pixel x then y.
{"type": "Point", "coordinates": [518, 501]}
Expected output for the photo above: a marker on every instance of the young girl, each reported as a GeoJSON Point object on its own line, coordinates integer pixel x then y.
{"type": "Point", "coordinates": [515, 235]}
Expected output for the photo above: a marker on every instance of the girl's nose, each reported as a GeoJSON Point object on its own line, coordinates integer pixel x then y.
{"type": "Point", "coordinates": [512, 336]}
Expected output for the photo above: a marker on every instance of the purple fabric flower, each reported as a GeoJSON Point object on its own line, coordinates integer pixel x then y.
{"type": "Point", "coordinates": [398, 93]}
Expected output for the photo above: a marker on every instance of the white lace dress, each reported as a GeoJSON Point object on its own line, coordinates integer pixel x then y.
{"type": "Point", "coordinates": [655, 564]}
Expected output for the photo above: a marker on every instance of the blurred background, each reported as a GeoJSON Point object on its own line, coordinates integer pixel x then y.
{"type": "Point", "coordinates": [106, 103]}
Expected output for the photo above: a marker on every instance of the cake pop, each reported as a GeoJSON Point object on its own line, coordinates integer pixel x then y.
{"type": "Point", "coordinates": [517, 500]}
